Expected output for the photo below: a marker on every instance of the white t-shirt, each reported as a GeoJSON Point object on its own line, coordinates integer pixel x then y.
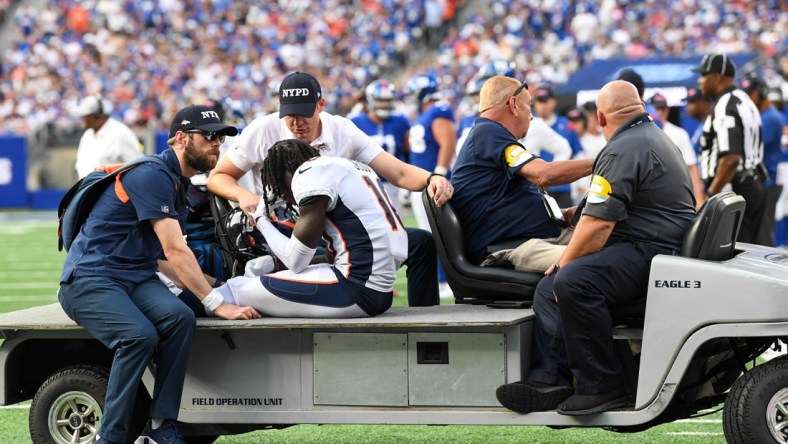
{"type": "Point", "coordinates": [592, 144]}
{"type": "Point", "coordinates": [113, 143]}
{"type": "Point", "coordinates": [681, 138]}
{"type": "Point", "coordinates": [540, 137]}
{"type": "Point", "coordinates": [363, 230]}
{"type": "Point", "coordinates": [339, 137]}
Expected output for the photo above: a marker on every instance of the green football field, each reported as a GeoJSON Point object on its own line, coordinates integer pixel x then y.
{"type": "Point", "coordinates": [29, 271]}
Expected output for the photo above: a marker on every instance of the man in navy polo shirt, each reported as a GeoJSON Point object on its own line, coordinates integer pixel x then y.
{"type": "Point", "coordinates": [109, 284]}
{"type": "Point", "coordinates": [497, 184]}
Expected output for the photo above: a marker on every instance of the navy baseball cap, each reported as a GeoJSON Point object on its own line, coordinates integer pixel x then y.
{"type": "Point", "coordinates": [658, 101]}
{"type": "Point", "coordinates": [752, 83]}
{"type": "Point", "coordinates": [298, 95]}
{"type": "Point", "coordinates": [693, 95]}
{"type": "Point", "coordinates": [576, 115]}
{"type": "Point", "coordinates": [202, 118]}
{"type": "Point", "coordinates": [716, 63]}
{"type": "Point", "coordinates": [544, 93]}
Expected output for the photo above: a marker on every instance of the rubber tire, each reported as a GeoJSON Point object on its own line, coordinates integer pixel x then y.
{"type": "Point", "coordinates": [744, 415]}
{"type": "Point", "coordinates": [90, 380]}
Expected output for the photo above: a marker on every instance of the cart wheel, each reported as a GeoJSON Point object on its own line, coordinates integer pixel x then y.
{"type": "Point", "coordinates": [756, 409]}
{"type": "Point", "coordinates": [67, 408]}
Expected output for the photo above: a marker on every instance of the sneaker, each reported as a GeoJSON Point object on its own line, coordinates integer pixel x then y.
{"type": "Point", "coordinates": [527, 396]}
{"type": "Point", "coordinates": [445, 291]}
{"type": "Point", "coordinates": [168, 433]}
{"type": "Point", "coordinates": [581, 405]}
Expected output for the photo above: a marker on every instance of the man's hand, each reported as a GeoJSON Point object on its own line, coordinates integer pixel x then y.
{"type": "Point", "coordinates": [248, 202]}
{"type": "Point", "coordinates": [230, 311]}
{"type": "Point", "coordinates": [440, 190]}
{"type": "Point", "coordinates": [569, 214]}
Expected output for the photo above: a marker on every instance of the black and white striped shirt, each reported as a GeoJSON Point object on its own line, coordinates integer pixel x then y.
{"type": "Point", "coordinates": [734, 126]}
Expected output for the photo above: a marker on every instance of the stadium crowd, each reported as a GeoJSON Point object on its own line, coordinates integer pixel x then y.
{"type": "Point", "coordinates": [147, 56]}
{"type": "Point", "coordinates": [549, 41]}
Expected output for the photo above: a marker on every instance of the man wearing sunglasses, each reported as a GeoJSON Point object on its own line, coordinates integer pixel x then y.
{"type": "Point", "coordinates": [109, 284]}
{"type": "Point", "coordinates": [301, 117]}
{"type": "Point", "coordinates": [498, 185]}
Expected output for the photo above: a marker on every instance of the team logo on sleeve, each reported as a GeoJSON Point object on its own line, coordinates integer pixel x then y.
{"type": "Point", "coordinates": [516, 155]}
{"type": "Point", "coordinates": [600, 190]}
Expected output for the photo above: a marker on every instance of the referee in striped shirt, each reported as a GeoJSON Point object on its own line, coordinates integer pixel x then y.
{"type": "Point", "coordinates": [732, 144]}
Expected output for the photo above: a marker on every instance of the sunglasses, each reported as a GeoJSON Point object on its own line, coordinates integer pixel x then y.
{"type": "Point", "coordinates": [210, 136]}
{"type": "Point", "coordinates": [523, 86]}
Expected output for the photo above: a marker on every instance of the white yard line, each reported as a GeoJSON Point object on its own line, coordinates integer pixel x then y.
{"type": "Point", "coordinates": [15, 407]}
{"type": "Point", "coordinates": [700, 421]}
{"type": "Point", "coordinates": [23, 298]}
{"type": "Point", "coordinates": [28, 285]}
{"type": "Point", "coordinates": [19, 267]}
{"type": "Point", "coordinates": [695, 433]}
{"type": "Point", "coordinates": [41, 274]}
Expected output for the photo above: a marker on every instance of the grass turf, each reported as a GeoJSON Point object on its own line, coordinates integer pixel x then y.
{"type": "Point", "coordinates": [29, 272]}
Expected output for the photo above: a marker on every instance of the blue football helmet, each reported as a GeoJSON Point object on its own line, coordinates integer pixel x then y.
{"type": "Point", "coordinates": [497, 67]}
{"type": "Point", "coordinates": [422, 86]}
{"type": "Point", "coordinates": [380, 97]}
{"type": "Point", "coordinates": [474, 86]}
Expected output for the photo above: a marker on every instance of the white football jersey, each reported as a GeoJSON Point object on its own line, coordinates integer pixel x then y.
{"type": "Point", "coordinates": [364, 230]}
{"type": "Point", "coordinates": [339, 137]}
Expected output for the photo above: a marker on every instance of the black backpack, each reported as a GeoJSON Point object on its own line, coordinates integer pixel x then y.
{"type": "Point", "coordinates": [78, 202]}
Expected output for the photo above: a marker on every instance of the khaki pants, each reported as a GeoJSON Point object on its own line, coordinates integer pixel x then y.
{"type": "Point", "coordinates": [535, 255]}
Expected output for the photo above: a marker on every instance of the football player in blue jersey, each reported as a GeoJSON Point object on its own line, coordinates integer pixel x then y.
{"type": "Point", "coordinates": [432, 143]}
{"type": "Point", "coordinates": [385, 127]}
{"type": "Point", "coordinates": [432, 135]}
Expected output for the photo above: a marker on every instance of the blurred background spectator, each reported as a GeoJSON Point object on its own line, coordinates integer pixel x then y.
{"type": "Point", "coordinates": [145, 55]}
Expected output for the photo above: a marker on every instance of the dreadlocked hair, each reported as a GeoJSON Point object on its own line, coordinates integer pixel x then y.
{"type": "Point", "coordinates": [283, 156]}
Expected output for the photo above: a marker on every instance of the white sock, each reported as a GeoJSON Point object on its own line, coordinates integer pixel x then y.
{"type": "Point", "coordinates": [155, 423]}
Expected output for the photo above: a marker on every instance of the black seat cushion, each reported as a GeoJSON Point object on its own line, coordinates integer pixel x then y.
{"type": "Point", "coordinates": [470, 282]}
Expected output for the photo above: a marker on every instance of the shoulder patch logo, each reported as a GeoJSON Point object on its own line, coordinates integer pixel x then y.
{"type": "Point", "coordinates": [600, 190]}
{"type": "Point", "coordinates": [516, 155]}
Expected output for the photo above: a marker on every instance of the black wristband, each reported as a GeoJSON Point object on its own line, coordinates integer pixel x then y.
{"type": "Point", "coordinates": [556, 267]}
{"type": "Point", "coordinates": [431, 175]}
